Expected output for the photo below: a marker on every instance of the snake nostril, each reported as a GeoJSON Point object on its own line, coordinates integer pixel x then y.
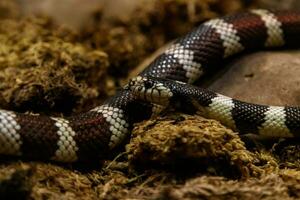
{"type": "Point", "coordinates": [131, 83]}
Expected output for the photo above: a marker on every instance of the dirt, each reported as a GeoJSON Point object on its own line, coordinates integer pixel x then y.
{"type": "Point", "coordinates": [51, 69]}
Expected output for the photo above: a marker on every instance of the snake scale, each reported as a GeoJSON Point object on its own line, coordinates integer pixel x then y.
{"type": "Point", "coordinates": [97, 132]}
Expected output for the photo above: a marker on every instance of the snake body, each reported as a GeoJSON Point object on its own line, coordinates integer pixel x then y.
{"type": "Point", "coordinates": [266, 121]}
{"type": "Point", "coordinates": [96, 133]}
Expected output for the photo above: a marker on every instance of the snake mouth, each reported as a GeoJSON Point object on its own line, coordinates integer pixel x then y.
{"type": "Point", "coordinates": [149, 90]}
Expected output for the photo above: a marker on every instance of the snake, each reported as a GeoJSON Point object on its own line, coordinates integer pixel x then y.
{"type": "Point", "coordinates": [97, 133]}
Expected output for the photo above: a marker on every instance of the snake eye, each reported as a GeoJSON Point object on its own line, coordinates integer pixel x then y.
{"type": "Point", "coordinates": [140, 88]}
{"type": "Point", "coordinates": [131, 83]}
{"type": "Point", "coordinates": [148, 84]}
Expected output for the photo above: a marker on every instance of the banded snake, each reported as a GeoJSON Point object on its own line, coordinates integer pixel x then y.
{"type": "Point", "coordinates": [95, 133]}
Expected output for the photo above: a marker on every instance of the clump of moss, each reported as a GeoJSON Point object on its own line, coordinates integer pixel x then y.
{"type": "Point", "coordinates": [205, 187]}
{"type": "Point", "coordinates": [287, 151]}
{"type": "Point", "coordinates": [40, 181]}
{"type": "Point", "coordinates": [42, 69]}
{"type": "Point", "coordinates": [193, 142]}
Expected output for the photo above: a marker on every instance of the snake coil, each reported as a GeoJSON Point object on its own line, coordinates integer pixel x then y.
{"type": "Point", "coordinates": [97, 132]}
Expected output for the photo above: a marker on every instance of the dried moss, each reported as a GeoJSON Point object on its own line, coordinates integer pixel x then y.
{"type": "Point", "coordinates": [42, 70]}
{"type": "Point", "coordinates": [269, 187]}
{"type": "Point", "coordinates": [45, 181]}
{"type": "Point", "coordinates": [188, 142]}
{"type": "Point", "coordinates": [125, 44]}
{"type": "Point", "coordinates": [287, 151]}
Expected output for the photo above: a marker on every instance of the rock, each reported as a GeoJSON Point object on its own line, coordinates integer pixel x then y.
{"type": "Point", "coordinates": [262, 77]}
{"type": "Point", "coordinates": [279, 4]}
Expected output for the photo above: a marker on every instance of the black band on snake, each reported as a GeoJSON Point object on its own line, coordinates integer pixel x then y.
{"type": "Point", "coordinates": [96, 133]}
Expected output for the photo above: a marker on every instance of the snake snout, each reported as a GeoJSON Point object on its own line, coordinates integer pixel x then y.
{"type": "Point", "coordinates": [150, 90]}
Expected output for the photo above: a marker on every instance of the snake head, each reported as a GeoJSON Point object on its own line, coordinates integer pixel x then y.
{"type": "Point", "coordinates": [150, 90]}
